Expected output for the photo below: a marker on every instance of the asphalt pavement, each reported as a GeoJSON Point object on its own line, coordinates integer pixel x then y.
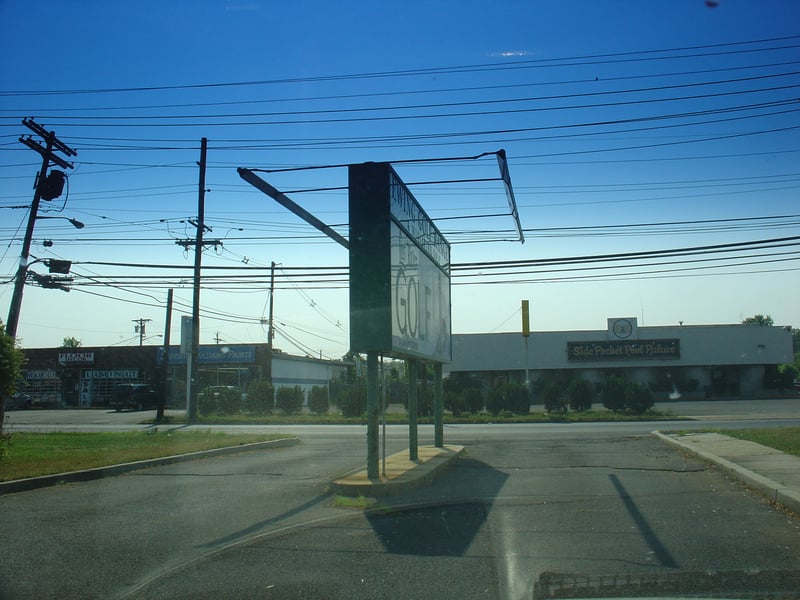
{"type": "Point", "coordinates": [767, 470]}
{"type": "Point", "coordinates": [525, 507]}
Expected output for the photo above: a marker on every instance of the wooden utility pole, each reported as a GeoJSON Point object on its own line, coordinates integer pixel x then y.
{"type": "Point", "coordinates": [52, 143]}
{"type": "Point", "coordinates": [164, 381]}
{"type": "Point", "coordinates": [271, 330]}
{"type": "Point", "coordinates": [198, 256]}
{"type": "Point", "coordinates": [140, 328]}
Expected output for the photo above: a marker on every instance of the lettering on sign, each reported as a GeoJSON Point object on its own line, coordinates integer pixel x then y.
{"type": "Point", "coordinates": [624, 350]}
{"type": "Point", "coordinates": [76, 358]}
{"type": "Point", "coordinates": [111, 374]}
{"type": "Point", "coordinates": [420, 300]}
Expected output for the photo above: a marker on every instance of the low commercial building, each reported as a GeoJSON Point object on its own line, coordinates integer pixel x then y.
{"type": "Point", "coordinates": [86, 377]}
{"type": "Point", "coordinates": [695, 361]}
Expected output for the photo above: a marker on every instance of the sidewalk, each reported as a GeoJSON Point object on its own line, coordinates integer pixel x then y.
{"type": "Point", "coordinates": [772, 472]}
{"type": "Point", "coordinates": [401, 474]}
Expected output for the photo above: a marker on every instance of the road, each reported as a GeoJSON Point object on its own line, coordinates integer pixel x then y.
{"type": "Point", "coordinates": [529, 507]}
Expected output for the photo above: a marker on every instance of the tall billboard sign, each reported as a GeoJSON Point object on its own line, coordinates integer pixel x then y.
{"type": "Point", "coordinates": [399, 270]}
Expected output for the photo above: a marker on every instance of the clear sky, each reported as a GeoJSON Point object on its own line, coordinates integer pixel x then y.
{"type": "Point", "coordinates": [630, 127]}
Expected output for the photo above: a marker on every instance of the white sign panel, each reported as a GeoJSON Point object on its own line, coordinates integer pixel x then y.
{"type": "Point", "coordinates": [420, 301]}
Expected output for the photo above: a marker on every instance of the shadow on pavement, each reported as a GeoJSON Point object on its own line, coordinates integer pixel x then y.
{"type": "Point", "coordinates": [445, 528]}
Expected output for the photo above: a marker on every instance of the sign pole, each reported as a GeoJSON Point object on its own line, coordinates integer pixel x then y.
{"type": "Point", "coordinates": [438, 406]}
{"type": "Point", "coordinates": [413, 453]}
{"type": "Point", "coordinates": [526, 332]}
{"type": "Point", "coordinates": [373, 410]}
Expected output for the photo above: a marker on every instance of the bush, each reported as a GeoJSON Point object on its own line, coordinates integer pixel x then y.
{"type": "Point", "coordinates": [553, 397]}
{"type": "Point", "coordinates": [219, 400]}
{"type": "Point", "coordinates": [510, 397]}
{"type": "Point", "coordinates": [318, 400]}
{"type": "Point", "coordinates": [638, 398]}
{"type": "Point", "coordinates": [496, 400]}
{"type": "Point", "coordinates": [579, 393]}
{"type": "Point", "coordinates": [468, 400]}
{"type": "Point", "coordinates": [473, 400]}
{"type": "Point", "coordinates": [260, 398]}
{"type": "Point", "coordinates": [289, 400]}
{"type": "Point", "coordinates": [612, 392]}
{"type": "Point", "coordinates": [622, 396]}
{"type": "Point", "coordinates": [351, 400]}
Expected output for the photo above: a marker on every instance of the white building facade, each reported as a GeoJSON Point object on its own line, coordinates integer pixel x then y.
{"type": "Point", "coordinates": [708, 361]}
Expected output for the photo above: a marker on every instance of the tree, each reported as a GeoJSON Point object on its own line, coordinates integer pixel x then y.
{"type": "Point", "coordinates": [11, 361]}
{"type": "Point", "coordinates": [71, 342]}
{"type": "Point", "coordinates": [761, 320]}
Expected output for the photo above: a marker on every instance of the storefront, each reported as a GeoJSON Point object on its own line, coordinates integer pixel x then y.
{"type": "Point", "coordinates": [86, 377]}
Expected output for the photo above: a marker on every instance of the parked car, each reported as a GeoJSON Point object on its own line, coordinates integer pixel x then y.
{"type": "Point", "coordinates": [138, 396]}
{"type": "Point", "coordinates": [18, 401]}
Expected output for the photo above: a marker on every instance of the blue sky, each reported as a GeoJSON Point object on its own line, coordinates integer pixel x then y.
{"type": "Point", "coordinates": [630, 127]}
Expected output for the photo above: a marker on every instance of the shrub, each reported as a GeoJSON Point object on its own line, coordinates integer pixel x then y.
{"type": "Point", "coordinates": [612, 392]}
{"type": "Point", "coordinates": [553, 397]}
{"type": "Point", "coordinates": [351, 400]}
{"type": "Point", "coordinates": [318, 400]}
{"type": "Point", "coordinates": [219, 400]}
{"type": "Point", "coordinates": [638, 398]}
{"type": "Point", "coordinates": [454, 402]}
{"type": "Point", "coordinates": [468, 400]}
{"type": "Point", "coordinates": [511, 397]}
{"type": "Point", "coordinates": [473, 400]}
{"type": "Point", "coordinates": [260, 398]}
{"type": "Point", "coordinates": [579, 393]}
{"type": "Point", "coordinates": [518, 398]}
{"type": "Point", "coordinates": [289, 400]}
{"type": "Point", "coordinates": [496, 400]}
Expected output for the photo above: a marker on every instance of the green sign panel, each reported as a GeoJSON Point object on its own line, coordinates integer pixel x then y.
{"type": "Point", "coordinates": [399, 270]}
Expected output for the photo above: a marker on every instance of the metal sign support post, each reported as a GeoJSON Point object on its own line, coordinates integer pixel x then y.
{"type": "Point", "coordinates": [373, 411]}
{"type": "Point", "coordinates": [413, 443]}
{"type": "Point", "coordinates": [383, 418]}
{"type": "Point", "coordinates": [438, 406]}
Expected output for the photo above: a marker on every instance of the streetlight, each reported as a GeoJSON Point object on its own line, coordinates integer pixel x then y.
{"type": "Point", "coordinates": [22, 271]}
{"type": "Point", "coordinates": [75, 223]}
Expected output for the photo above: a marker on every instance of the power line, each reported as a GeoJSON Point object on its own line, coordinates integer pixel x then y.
{"type": "Point", "coordinates": [607, 58]}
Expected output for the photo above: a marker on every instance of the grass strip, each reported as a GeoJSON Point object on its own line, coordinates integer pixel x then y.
{"type": "Point", "coordinates": [35, 454]}
{"type": "Point", "coordinates": [785, 439]}
{"type": "Point", "coordinates": [592, 416]}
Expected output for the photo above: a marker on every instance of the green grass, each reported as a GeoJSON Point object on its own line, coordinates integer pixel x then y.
{"type": "Point", "coordinates": [591, 416]}
{"type": "Point", "coordinates": [785, 439]}
{"type": "Point", "coordinates": [34, 454]}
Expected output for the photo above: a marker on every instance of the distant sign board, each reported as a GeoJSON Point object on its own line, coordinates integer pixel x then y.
{"type": "Point", "coordinates": [399, 270]}
{"type": "Point", "coordinates": [624, 351]}
{"type": "Point", "coordinates": [211, 355]}
{"type": "Point", "coordinates": [75, 358]}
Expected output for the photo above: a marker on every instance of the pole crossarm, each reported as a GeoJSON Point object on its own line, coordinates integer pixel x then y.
{"type": "Point", "coordinates": [52, 144]}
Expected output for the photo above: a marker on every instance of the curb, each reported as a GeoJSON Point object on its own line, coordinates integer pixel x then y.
{"type": "Point", "coordinates": [772, 490]}
{"type": "Point", "coordinates": [407, 482]}
{"type": "Point", "coordinates": [32, 483]}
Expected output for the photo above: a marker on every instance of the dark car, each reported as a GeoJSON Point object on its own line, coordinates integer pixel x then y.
{"type": "Point", "coordinates": [138, 396]}
{"type": "Point", "coordinates": [18, 401]}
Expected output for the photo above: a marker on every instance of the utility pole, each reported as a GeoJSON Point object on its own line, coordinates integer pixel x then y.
{"type": "Point", "coordinates": [198, 244]}
{"type": "Point", "coordinates": [271, 330]}
{"type": "Point", "coordinates": [164, 380]}
{"type": "Point", "coordinates": [47, 187]}
{"type": "Point", "coordinates": [140, 328]}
